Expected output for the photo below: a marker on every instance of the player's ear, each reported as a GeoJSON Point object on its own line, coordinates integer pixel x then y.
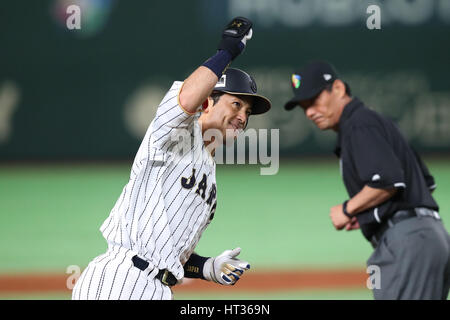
{"type": "Point", "coordinates": [339, 88]}
{"type": "Point", "coordinates": [207, 104]}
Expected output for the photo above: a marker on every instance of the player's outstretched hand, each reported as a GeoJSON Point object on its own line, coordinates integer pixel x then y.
{"type": "Point", "coordinates": [225, 269]}
{"type": "Point", "coordinates": [235, 36]}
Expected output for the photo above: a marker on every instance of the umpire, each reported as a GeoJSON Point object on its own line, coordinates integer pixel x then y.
{"type": "Point", "coordinates": [389, 188]}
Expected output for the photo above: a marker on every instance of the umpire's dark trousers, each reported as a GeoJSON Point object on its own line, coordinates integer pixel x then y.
{"type": "Point", "coordinates": [413, 259]}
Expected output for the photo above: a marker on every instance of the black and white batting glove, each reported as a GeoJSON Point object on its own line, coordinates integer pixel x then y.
{"type": "Point", "coordinates": [235, 36]}
{"type": "Point", "coordinates": [225, 269]}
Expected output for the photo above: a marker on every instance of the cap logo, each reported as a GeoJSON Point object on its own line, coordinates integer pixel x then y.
{"type": "Point", "coordinates": [327, 76]}
{"type": "Point", "coordinates": [222, 82]}
{"type": "Point", "coordinates": [296, 81]}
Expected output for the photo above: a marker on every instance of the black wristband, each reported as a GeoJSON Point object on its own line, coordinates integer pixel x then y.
{"type": "Point", "coordinates": [219, 62]}
{"type": "Point", "coordinates": [193, 268]}
{"type": "Point", "coordinates": [344, 209]}
{"type": "Point", "coordinates": [233, 46]}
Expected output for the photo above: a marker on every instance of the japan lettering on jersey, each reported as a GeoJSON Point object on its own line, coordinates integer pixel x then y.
{"type": "Point", "coordinates": [171, 195]}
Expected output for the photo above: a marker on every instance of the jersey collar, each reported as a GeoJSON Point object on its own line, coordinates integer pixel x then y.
{"type": "Point", "coordinates": [349, 109]}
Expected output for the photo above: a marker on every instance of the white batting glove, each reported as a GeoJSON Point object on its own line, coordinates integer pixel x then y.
{"type": "Point", "coordinates": [225, 269]}
{"type": "Point", "coordinates": [248, 36]}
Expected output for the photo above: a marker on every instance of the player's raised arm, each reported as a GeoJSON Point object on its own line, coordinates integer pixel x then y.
{"type": "Point", "coordinates": [199, 85]}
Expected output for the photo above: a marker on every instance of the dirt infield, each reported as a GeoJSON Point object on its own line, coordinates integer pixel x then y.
{"type": "Point", "coordinates": [261, 281]}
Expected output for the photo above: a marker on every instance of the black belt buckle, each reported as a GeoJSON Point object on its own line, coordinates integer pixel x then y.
{"type": "Point", "coordinates": [164, 277]}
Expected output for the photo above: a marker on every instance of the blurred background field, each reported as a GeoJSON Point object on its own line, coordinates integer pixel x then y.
{"type": "Point", "coordinates": [53, 213]}
{"type": "Point", "coordinates": [75, 104]}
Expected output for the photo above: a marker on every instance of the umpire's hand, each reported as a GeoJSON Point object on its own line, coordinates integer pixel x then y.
{"type": "Point", "coordinates": [225, 269]}
{"type": "Point", "coordinates": [352, 225]}
{"type": "Point", "coordinates": [338, 218]}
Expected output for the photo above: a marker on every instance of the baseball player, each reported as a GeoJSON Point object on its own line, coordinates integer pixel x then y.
{"type": "Point", "coordinates": [170, 198]}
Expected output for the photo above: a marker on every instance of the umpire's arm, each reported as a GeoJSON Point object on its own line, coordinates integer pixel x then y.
{"type": "Point", "coordinates": [368, 198]}
{"type": "Point", "coordinates": [377, 166]}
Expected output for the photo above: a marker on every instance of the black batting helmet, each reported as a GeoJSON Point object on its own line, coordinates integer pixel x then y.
{"type": "Point", "coordinates": [237, 82]}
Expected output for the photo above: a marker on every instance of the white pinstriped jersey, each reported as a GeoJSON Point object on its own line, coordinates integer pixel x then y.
{"type": "Point", "coordinates": [170, 197]}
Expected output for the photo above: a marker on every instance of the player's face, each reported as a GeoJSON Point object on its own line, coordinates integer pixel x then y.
{"type": "Point", "coordinates": [230, 115]}
{"type": "Point", "coordinates": [322, 110]}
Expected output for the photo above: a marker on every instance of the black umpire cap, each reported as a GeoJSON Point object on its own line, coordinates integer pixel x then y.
{"type": "Point", "coordinates": [237, 82]}
{"type": "Point", "coordinates": [310, 81]}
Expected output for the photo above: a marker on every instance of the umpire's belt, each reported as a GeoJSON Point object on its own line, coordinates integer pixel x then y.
{"type": "Point", "coordinates": [164, 275]}
{"type": "Point", "coordinates": [400, 216]}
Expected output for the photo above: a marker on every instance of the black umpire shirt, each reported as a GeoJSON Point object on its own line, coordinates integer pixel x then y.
{"type": "Point", "coordinates": [373, 152]}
